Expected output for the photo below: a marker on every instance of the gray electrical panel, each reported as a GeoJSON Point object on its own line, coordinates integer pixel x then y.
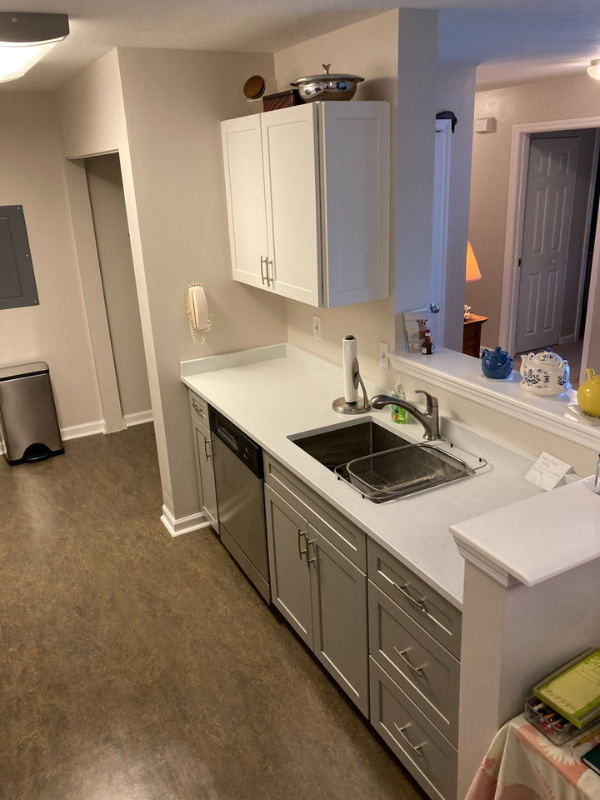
{"type": "Point", "coordinates": [17, 280]}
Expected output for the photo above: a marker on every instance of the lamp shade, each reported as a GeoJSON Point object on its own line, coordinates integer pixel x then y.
{"type": "Point", "coordinates": [473, 273]}
{"type": "Point", "coordinates": [594, 69]}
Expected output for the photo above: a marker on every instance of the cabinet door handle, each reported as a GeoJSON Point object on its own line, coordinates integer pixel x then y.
{"type": "Point", "coordinates": [419, 748]}
{"type": "Point", "coordinates": [264, 268]}
{"type": "Point", "coordinates": [270, 275]}
{"type": "Point", "coordinates": [207, 447]}
{"type": "Point", "coordinates": [403, 656]}
{"type": "Point", "coordinates": [302, 552]}
{"type": "Point", "coordinates": [404, 589]}
{"type": "Point", "coordinates": [308, 558]}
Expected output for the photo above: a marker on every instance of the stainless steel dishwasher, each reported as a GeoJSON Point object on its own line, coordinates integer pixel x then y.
{"type": "Point", "coordinates": [240, 499]}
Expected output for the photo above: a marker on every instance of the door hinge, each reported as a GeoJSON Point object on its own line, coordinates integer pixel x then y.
{"type": "Point", "coordinates": [519, 262]}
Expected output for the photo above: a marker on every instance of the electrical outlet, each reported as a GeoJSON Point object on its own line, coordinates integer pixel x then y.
{"type": "Point", "coordinates": [384, 350]}
{"type": "Point", "coordinates": [316, 327]}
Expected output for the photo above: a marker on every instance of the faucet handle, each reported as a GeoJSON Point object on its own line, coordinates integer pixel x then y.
{"type": "Point", "coordinates": [432, 402]}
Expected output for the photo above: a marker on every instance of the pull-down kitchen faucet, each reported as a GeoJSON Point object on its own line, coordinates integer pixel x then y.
{"type": "Point", "coordinates": [429, 419]}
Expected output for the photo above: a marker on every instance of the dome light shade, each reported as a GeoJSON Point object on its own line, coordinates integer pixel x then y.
{"type": "Point", "coordinates": [594, 69]}
{"type": "Point", "coordinates": [26, 38]}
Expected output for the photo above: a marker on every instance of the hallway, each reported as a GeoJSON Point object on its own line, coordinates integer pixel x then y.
{"type": "Point", "coordinates": [139, 667]}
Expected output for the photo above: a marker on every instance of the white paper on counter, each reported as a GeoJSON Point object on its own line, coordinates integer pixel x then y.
{"type": "Point", "coordinates": [547, 472]}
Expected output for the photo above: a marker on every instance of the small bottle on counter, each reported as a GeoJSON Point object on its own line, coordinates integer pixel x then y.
{"type": "Point", "coordinates": [597, 481]}
{"type": "Point", "coordinates": [399, 413]}
{"type": "Point", "coordinates": [427, 347]}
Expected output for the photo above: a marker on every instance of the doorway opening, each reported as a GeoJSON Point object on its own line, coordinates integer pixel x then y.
{"type": "Point", "coordinates": [109, 218]}
{"type": "Point", "coordinates": [557, 239]}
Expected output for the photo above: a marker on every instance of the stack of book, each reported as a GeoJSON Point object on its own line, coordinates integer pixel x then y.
{"type": "Point", "coordinates": [566, 704]}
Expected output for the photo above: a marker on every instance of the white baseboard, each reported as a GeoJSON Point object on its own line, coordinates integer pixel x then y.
{"type": "Point", "coordinates": [76, 431]}
{"type": "Point", "coordinates": [567, 339]}
{"type": "Point", "coordinates": [87, 429]}
{"type": "Point", "coordinates": [177, 527]}
{"type": "Point", "coordinates": [139, 418]}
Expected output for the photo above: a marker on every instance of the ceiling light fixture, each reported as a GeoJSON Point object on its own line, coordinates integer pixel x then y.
{"type": "Point", "coordinates": [26, 38]}
{"type": "Point", "coordinates": [594, 69]}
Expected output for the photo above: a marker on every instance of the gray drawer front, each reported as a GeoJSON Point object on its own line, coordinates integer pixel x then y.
{"type": "Point", "coordinates": [425, 753]}
{"type": "Point", "coordinates": [422, 668]}
{"type": "Point", "coordinates": [346, 537]}
{"type": "Point", "coordinates": [199, 408]}
{"type": "Point", "coordinates": [439, 617]}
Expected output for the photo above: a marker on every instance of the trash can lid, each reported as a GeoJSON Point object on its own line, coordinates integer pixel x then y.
{"type": "Point", "coordinates": [23, 370]}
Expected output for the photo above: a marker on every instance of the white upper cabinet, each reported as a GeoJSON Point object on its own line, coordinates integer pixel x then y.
{"type": "Point", "coordinates": [308, 197]}
{"type": "Point", "coordinates": [244, 185]}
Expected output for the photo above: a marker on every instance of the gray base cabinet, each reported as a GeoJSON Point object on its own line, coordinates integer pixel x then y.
{"type": "Point", "coordinates": [204, 460]}
{"type": "Point", "coordinates": [321, 593]}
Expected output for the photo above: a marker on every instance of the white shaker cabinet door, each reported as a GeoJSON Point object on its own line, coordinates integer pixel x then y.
{"type": "Point", "coordinates": [355, 152]}
{"type": "Point", "coordinates": [244, 185]}
{"type": "Point", "coordinates": [291, 175]}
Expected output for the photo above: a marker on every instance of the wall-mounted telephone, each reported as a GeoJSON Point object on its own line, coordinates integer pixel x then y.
{"type": "Point", "coordinates": [198, 311]}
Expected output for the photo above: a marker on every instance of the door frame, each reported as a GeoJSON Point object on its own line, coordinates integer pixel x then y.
{"type": "Point", "coordinates": [443, 128]}
{"type": "Point", "coordinates": [515, 217]}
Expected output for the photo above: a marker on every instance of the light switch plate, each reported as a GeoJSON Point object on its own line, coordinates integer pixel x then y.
{"type": "Point", "coordinates": [384, 350]}
{"type": "Point", "coordinates": [316, 327]}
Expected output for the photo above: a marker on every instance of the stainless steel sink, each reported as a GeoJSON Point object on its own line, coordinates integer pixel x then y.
{"type": "Point", "coordinates": [381, 465]}
{"type": "Point", "coordinates": [337, 446]}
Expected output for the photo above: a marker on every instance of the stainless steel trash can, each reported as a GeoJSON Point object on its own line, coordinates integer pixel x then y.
{"type": "Point", "coordinates": [28, 421]}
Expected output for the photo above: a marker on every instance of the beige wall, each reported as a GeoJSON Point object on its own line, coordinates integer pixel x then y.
{"type": "Point", "coordinates": [371, 49]}
{"type": "Point", "coordinates": [559, 99]}
{"type": "Point", "coordinates": [174, 103]}
{"type": "Point", "coordinates": [56, 330]}
{"type": "Point", "coordinates": [118, 281]}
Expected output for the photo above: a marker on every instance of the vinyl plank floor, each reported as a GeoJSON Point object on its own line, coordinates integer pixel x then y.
{"type": "Point", "coordinates": [134, 666]}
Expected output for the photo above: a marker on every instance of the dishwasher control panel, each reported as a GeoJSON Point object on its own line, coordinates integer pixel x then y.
{"type": "Point", "coordinates": [236, 440]}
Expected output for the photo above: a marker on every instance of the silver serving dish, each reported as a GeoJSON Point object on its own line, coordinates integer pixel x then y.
{"type": "Point", "coordinates": [327, 87]}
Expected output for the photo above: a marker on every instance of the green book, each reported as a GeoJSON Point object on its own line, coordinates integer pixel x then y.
{"type": "Point", "coordinates": [574, 690]}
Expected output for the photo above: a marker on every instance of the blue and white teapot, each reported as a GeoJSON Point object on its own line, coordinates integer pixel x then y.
{"type": "Point", "coordinates": [545, 373]}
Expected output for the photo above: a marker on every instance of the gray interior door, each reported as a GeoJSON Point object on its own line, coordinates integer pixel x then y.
{"type": "Point", "coordinates": [548, 209]}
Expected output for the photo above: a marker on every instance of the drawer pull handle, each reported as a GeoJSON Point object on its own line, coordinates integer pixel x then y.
{"type": "Point", "coordinates": [301, 552]}
{"type": "Point", "coordinates": [196, 405]}
{"type": "Point", "coordinates": [404, 589]}
{"type": "Point", "coordinates": [308, 544]}
{"type": "Point", "coordinates": [419, 748]}
{"type": "Point", "coordinates": [404, 657]}
{"type": "Point", "coordinates": [207, 448]}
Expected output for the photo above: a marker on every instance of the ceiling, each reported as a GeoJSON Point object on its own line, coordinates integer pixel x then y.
{"type": "Point", "coordinates": [517, 41]}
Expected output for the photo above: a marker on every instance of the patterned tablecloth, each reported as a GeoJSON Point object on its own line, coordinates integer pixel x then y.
{"type": "Point", "coordinates": [522, 764]}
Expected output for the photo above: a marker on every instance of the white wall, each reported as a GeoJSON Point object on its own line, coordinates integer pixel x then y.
{"type": "Point", "coordinates": [456, 92]}
{"type": "Point", "coordinates": [55, 331]}
{"type": "Point", "coordinates": [553, 100]}
{"type": "Point", "coordinates": [118, 281]}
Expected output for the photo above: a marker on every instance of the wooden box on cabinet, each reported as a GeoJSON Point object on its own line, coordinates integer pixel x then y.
{"type": "Point", "coordinates": [308, 200]}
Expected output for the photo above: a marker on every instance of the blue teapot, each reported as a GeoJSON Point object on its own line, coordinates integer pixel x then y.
{"type": "Point", "coordinates": [496, 364]}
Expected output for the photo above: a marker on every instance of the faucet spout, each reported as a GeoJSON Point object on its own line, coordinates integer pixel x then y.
{"type": "Point", "coordinates": [429, 419]}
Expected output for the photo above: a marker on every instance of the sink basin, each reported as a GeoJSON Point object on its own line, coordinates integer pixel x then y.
{"type": "Point", "coordinates": [379, 463]}
{"type": "Point", "coordinates": [337, 446]}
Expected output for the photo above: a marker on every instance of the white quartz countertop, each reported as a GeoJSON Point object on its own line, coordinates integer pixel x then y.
{"type": "Point", "coordinates": [272, 400]}
{"type": "Point", "coordinates": [541, 537]}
